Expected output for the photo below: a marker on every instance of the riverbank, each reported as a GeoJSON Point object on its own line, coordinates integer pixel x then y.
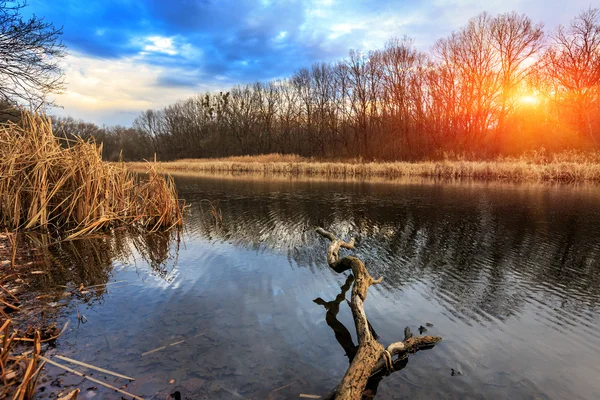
{"type": "Point", "coordinates": [566, 167]}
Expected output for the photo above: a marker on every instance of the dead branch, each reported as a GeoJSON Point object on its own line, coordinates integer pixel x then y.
{"type": "Point", "coordinates": [371, 357]}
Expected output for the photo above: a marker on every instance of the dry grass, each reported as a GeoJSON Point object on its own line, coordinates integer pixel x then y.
{"type": "Point", "coordinates": [45, 186]}
{"type": "Point", "coordinates": [19, 373]}
{"type": "Point", "coordinates": [261, 158]}
{"type": "Point", "coordinates": [564, 167]}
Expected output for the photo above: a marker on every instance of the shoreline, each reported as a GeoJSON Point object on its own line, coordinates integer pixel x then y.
{"type": "Point", "coordinates": [500, 170]}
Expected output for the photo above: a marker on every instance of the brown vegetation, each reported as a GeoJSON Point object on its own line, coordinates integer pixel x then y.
{"type": "Point", "coordinates": [44, 185]}
{"type": "Point", "coordinates": [534, 167]}
{"type": "Point", "coordinates": [19, 373]}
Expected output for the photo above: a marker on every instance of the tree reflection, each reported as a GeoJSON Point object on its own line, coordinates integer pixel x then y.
{"type": "Point", "coordinates": [483, 253]}
{"type": "Point", "coordinates": [89, 262]}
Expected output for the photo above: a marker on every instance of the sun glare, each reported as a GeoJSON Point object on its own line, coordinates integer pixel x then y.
{"type": "Point", "coordinates": [529, 99]}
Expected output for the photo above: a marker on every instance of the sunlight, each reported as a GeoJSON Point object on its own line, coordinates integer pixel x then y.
{"type": "Point", "coordinates": [529, 99]}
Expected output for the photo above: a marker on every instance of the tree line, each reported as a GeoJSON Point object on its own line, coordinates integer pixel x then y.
{"type": "Point", "coordinates": [498, 85]}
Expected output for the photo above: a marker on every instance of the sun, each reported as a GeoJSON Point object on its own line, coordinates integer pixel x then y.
{"type": "Point", "coordinates": [529, 100]}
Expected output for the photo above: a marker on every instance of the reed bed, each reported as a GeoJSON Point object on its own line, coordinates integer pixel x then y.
{"type": "Point", "coordinates": [567, 167]}
{"type": "Point", "coordinates": [46, 186]}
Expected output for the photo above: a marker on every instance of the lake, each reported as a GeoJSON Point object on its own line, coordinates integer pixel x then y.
{"type": "Point", "coordinates": [507, 274]}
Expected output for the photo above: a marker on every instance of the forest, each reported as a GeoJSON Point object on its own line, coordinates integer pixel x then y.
{"type": "Point", "coordinates": [500, 85]}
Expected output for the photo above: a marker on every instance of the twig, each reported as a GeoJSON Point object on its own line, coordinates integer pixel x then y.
{"type": "Point", "coordinates": [93, 367]}
{"type": "Point", "coordinates": [165, 346]}
{"type": "Point", "coordinates": [154, 351]}
{"type": "Point", "coordinates": [89, 378]}
{"type": "Point", "coordinates": [48, 339]}
{"type": "Point", "coordinates": [10, 305]}
{"type": "Point", "coordinates": [284, 386]}
{"type": "Point", "coordinates": [9, 293]}
{"type": "Point", "coordinates": [100, 285]}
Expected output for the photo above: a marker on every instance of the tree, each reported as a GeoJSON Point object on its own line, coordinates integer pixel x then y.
{"type": "Point", "coordinates": [470, 68]}
{"type": "Point", "coordinates": [516, 40]}
{"type": "Point", "coordinates": [476, 94]}
{"type": "Point", "coordinates": [149, 124]}
{"type": "Point", "coordinates": [480, 68]}
{"type": "Point", "coordinates": [572, 66]}
{"type": "Point", "coordinates": [30, 51]}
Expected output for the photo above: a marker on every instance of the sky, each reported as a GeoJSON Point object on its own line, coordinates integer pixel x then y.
{"type": "Point", "coordinates": [127, 56]}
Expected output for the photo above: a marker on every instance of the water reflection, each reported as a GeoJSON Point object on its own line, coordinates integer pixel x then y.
{"type": "Point", "coordinates": [342, 334]}
{"type": "Point", "coordinates": [493, 260]}
{"type": "Point", "coordinates": [484, 253]}
{"type": "Point", "coordinates": [89, 262]}
{"type": "Point", "coordinates": [508, 274]}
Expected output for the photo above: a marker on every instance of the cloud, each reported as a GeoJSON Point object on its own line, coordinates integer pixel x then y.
{"type": "Point", "coordinates": [167, 50]}
{"type": "Point", "coordinates": [115, 91]}
{"type": "Point", "coordinates": [160, 44]}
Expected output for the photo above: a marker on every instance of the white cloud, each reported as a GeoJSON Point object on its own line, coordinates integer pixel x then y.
{"type": "Point", "coordinates": [281, 36]}
{"type": "Point", "coordinates": [160, 44]}
{"type": "Point", "coordinates": [155, 45]}
{"type": "Point", "coordinates": [115, 91]}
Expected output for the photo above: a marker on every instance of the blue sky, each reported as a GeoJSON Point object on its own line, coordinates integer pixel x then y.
{"type": "Point", "coordinates": [126, 56]}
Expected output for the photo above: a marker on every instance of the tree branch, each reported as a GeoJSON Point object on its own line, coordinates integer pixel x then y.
{"type": "Point", "coordinates": [370, 356]}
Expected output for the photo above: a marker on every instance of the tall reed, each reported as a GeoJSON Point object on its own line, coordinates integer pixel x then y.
{"type": "Point", "coordinates": [46, 186]}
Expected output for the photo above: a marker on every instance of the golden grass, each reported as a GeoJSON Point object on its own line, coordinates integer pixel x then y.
{"type": "Point", "coordinates": [19, 373]}
{"type": "Point", "coordinates": [49, 187]}
{"type": "Point", "coordinates": [261, 158]}
{"type": "Point", "coordinates": [565, 167]}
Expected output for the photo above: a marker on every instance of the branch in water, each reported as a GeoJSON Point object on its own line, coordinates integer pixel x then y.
{"type": "Point", "coordinates": [370, 356]}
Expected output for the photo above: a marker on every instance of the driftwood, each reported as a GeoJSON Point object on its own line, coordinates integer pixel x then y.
{"type": "Point", "coordinates": [369, 357]}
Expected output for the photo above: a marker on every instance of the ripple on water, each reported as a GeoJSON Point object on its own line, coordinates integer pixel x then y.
{"type": "Point", "coordinates": [509, 275]}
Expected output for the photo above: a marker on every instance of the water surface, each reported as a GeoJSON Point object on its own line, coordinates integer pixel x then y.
{"type": "Point", "coordinates": [508, 274]}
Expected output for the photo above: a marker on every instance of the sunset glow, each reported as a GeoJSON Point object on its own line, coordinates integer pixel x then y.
{"type": "Point", "coordinates": [529, 100]}
{"type": "Point", "coordinates": [187, 47]}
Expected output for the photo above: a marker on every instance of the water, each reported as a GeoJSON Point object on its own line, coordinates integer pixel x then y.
{"type": "Point", "coordinates": [509, 276]}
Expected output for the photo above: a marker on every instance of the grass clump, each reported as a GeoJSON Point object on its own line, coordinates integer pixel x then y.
{"type": "Point", "coordinates": [44, 185]}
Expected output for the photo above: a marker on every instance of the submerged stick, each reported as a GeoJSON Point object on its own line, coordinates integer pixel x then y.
{"type": "Point", "coordinates": [165, 346]}
{"type": "Point", "coordinates": [89, 378]}
{"type": "Point", "coordinates": [154, 350]}
{"type": "Point", "coordinates": [93, 367]}
{"type": "Point", "coordinates": [100, 285]}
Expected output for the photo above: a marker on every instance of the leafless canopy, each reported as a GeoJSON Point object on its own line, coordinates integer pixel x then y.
{"type": "Point", "coordinates": [30, 51]}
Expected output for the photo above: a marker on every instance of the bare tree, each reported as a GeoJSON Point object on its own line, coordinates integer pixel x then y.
{"type": "Point", "coordinates": [516, 40]}
{"type": "Point", "coordinates": [572, 65]}
{"type": "Point", "coordinates": [149, 123]}
{"type": "Point", "coordinates": [465, 97]}
{"type": "Point", "coordinates": [30, 51]}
